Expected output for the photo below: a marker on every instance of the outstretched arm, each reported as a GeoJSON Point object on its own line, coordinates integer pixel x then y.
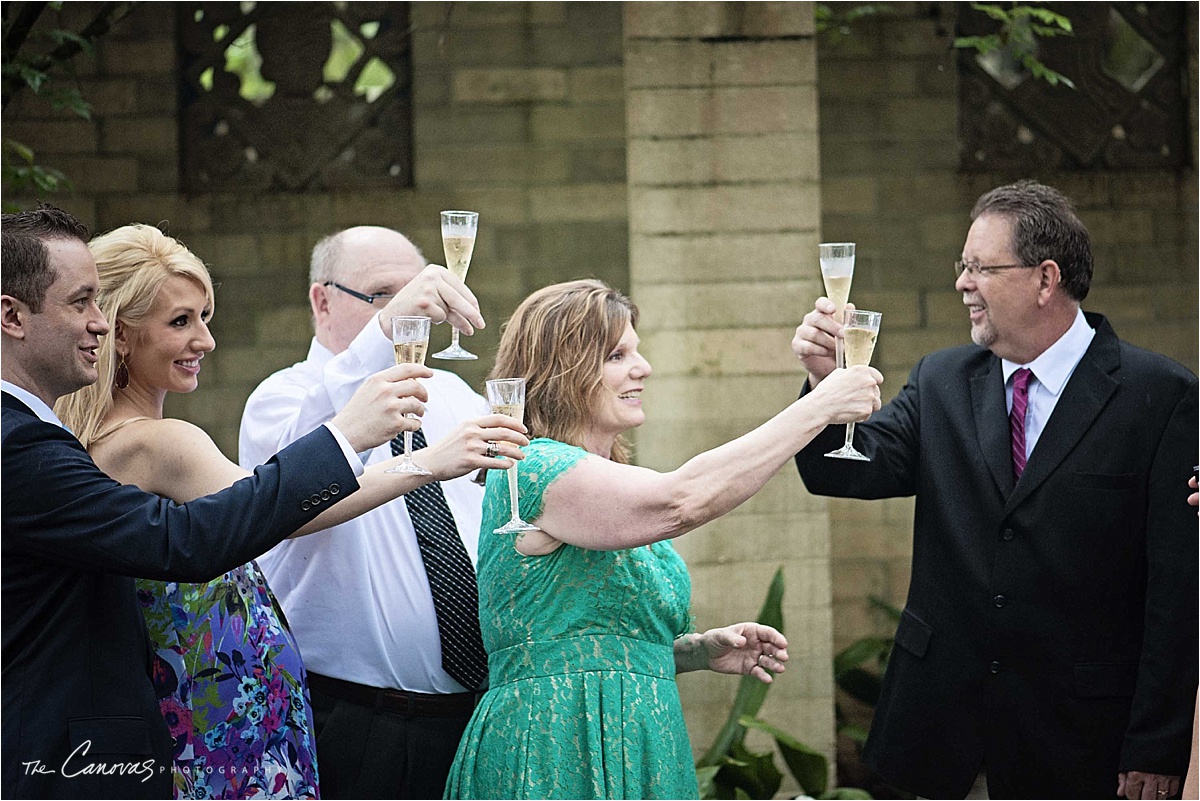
{"type": "Point", "coordinates": [602, 505]}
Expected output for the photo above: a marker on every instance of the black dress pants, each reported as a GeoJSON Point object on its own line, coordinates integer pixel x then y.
{"type": "Point", "coordinates": [366, 751]}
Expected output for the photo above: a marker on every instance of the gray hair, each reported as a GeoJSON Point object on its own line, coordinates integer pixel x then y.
{"type": "Point", "coordinates": [325, 255]}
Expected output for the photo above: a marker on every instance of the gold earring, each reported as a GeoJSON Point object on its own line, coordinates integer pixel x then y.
{"type": "Point", "coordinates": [121, 378]}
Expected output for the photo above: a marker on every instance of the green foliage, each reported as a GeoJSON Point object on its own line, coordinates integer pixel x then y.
{"type": "Point", "coordinates": [731, 770]}
{"type": "Point", "coordinates": [1021, 27]}
{"type": "Point", "coordinates": [37, 60]}
{"type": "Point", "coordinates": [858, 671]}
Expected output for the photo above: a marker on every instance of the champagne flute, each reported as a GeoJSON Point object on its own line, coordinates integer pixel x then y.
{"type": "Point", "coordinates": [837, 271]}
{"type": "Point", "coordinates": [410, 339]}
{"type": "Point", "coordinates": [507, 396]}
{"type": "Point", "coordinates": [458, 242]}
{"type": "Point", "coordinates": [861, 329]}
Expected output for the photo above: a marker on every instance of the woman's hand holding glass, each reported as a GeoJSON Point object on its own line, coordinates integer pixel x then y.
{"type": "Point", "coordinates": [385, 405]}
{"type": "Point", "coordinates": [490, 442]}
{"type": "Point", "coordinates": [849, 395]}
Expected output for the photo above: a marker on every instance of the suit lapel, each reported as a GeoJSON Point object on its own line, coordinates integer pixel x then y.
{"type": "Point", "coordinates": [991, 423]}
{"type": "Point", "coordinates": [1083, 398]}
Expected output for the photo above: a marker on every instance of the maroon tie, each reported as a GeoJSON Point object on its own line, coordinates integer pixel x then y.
{"type": "Point", "coordinates": [1016, 418]}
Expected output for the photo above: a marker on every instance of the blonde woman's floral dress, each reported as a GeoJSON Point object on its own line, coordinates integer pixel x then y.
{"type": "Point", "coordinates": [231, 687]}
{"type": "Point", "coordinates": [582, 701]}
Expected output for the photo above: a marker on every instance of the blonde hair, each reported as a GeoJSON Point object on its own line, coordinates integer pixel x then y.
{"type": "Point", "coordinates": [558, 340]}
{"type": "Point", "coordinates": [134, 261]}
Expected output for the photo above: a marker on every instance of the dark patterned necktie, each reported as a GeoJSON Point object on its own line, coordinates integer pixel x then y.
{"type": "Point", "coordinates": [451, 578]}
{"type": "Point", "coordinates": [1016, 419]}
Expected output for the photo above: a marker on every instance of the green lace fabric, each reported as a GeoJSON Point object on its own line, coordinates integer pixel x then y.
{"type": "Point", "coordinates": [582, 701]}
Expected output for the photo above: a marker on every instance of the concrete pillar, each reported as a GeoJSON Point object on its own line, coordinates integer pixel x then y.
{"type": "Point", "coordinates": [724, 212]}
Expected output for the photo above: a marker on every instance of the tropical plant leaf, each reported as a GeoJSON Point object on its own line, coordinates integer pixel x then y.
{"type": "Point", "coordinates": [751, 692]}
{"type": "Point", "coordinates": [751, 773]}
{"type": "Point", "coordinates": [856, 733]}
{"type": "Point", "coordinates": [704, 778]}
{"type": "Point", "coordinates": [893, 612]}
{"type": "Point", "coordinates": [847, 792]}
{"type": "Point", "coordinates": [810, 767]}
{"type": "Point", "coordinates": [861, 685]}
{"type": "Point", "coordinates": [860, 652]}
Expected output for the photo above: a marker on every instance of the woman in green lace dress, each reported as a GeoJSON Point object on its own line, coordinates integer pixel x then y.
{"type": "Point", "coordinates": [586, 621]}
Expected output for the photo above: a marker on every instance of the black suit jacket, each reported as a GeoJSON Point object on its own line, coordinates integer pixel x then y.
{"type": "Point", "coordinates": [80, 717]}
{"type": "Point", "coordinates": [1050, 628]}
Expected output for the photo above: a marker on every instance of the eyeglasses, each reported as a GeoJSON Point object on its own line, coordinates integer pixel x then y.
{"type": "Point", "coordinates": [975, 269]}
{"type": "Point", "coordinates": [354, 293]}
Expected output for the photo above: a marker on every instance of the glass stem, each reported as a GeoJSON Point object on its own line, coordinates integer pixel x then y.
{"type": "Point", "coordinates": [512, 492]}
{"type": "Point", "coordinates": [850, 436]}
{"type": "Point", "coordinates": [408, 446]}
{"type": "Point", "coordinates": [454, 338]}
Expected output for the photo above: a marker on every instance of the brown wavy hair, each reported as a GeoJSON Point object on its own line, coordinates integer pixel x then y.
{"type": "Point", "coordinates": [557, 340]}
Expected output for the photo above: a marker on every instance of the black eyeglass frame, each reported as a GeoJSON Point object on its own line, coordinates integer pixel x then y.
{"type": "Point", "coordinates": [981, 269]}
{"type": "Point", "coordinates": [361, 296]}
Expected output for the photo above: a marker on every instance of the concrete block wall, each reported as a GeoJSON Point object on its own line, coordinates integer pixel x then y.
{"type": "Point", "coordinates": [889, 181]}
{"type": "Point", "coordinates": [723, 219]}
{"type": "Point", "coordinates": [518, 113]}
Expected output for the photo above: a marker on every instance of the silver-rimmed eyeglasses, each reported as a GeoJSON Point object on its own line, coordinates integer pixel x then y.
{"type": "Point", "coordinates": [975, 269]}
{"type": "Point", "coordinates": [354, 293]}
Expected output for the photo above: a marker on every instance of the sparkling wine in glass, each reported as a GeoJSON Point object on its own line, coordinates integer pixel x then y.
{"type": "Point", "coordinates": [410, 339]}
{"type": "Point", "coordinates": [507, 396]}
{"type": "Point", "coordinates": [860, 331]}
{"type": "Point", "coordinates": [458, 242]}
{"type": "Point", "coordinates": [837, 271]}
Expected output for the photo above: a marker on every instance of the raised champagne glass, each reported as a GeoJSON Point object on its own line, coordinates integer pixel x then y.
{"type": "Point", "coordinates": [410, 339]}
{"type": "Point", "coordinates": [837, 271]}
{"type": "Point", "coordinates": [860, 331]}
{"type": "Point", "coordinates": [507, 396]}
{"type": "Point", "coordinates": [458, 242]}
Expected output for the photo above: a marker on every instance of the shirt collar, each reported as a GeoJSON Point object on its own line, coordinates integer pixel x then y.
{"type": "Point", "coordinates": [35, 404]}
{"type": "Point", "coordinates": [1056, 363]}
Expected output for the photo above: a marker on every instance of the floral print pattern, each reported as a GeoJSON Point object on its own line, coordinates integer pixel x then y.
{"type": "Point", "coordinates": [231, 688]}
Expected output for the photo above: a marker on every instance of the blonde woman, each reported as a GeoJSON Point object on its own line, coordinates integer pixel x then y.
{"type": "Point", "coordinates": [586, 621]}
{"type": "Point", "coordinates": [227, 671]}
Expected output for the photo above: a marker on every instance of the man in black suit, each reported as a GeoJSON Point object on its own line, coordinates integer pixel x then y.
{"type": "Point", "coordinates": [1047, 648]}
{"type": "Point", "coordinates": [80, 718]}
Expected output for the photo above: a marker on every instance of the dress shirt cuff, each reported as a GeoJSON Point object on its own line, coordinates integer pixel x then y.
{"type": "Point", "coordinates": [352, 458]}
{"type": "Point", "coordinates": [372, 347]}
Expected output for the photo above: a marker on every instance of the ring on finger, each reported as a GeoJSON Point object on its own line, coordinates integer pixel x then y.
{"type": "Point", "coordinates": [493, 450]}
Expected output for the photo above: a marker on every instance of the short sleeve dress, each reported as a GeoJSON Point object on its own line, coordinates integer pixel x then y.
{"type": "Point", "coordinates": [582, 700]}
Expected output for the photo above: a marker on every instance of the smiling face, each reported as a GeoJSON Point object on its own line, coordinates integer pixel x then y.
{"type": "Point", "coordinates": [163, 354]}
{"type": "Point", "coordinates": [61, 341]}
{"type": "Point", "coordinates": [1003, 305]}
{"type": "Point", "coordinates": [618, 405]}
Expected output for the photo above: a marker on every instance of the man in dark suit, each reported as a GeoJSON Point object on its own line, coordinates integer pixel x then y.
{"type": "Point", "coordinates": [80, 718]}
{"type": "Point", "coordinates": [1047, 648]}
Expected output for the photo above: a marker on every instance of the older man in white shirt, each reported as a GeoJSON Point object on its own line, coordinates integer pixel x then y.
{"type": "Point", "coordinates": [388, 713]}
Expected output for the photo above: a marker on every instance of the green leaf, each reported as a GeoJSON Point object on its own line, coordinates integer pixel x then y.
{"type": "Point", "coordinates": [22, 151]}
{"type": "Point", "coordinates": [861, 685]}
{"type": "Point", "coordinates": [810, 767]}
{"type": "Point", "coordinates": [34, 78]}
{"type": "Point", "coordinates": [847, 792]}
{"type": "Point", "coordinates": [751, 692]}
{"type": "Point", "coordinates": [861, 651]}
{"type": "Point", "coordinates": [752, 773]}
{"type": "Point", "coordinates": [856, 733]}
{"type": "Point", "coordinates": [704, 778]}
{"type": "Point", "coordinates": [892, 611]}
{"type": "Point", "coordinates": [61, 36]}
{"type": "Point", "coordinates": [995, 12]}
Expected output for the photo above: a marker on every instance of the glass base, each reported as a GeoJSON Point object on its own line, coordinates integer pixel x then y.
{"type": "Point", "coordinates": [848, 452]}
{"type": "Point", "coordinates": [455, 352]}
{"type": "Point", "coordinates": [515, 527]}
{"type": "Point", "coordinates": [410, 467]}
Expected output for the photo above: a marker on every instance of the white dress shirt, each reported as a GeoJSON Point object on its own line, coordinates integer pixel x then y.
{"type": "Point", "coordinates": [1051, 371]}
{"type": "Point", "coordinates": [35, 404]}
{"type": "Point", "coordinates": [356, 595]}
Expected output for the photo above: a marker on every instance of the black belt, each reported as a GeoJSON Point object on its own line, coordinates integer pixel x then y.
{"type": "Point", "coordinates": [400, 702]}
